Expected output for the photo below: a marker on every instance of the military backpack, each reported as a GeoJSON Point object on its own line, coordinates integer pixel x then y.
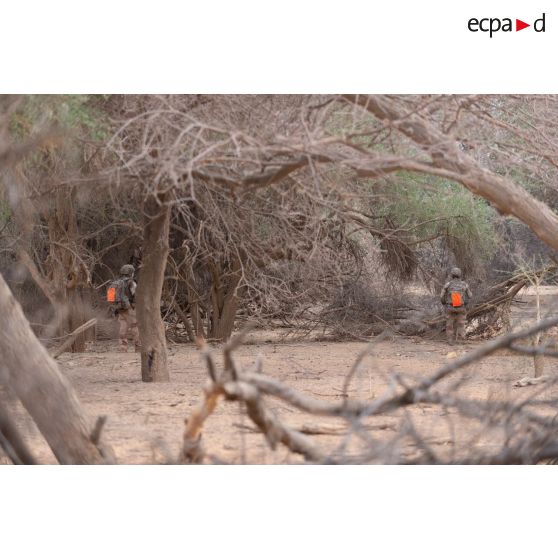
{"type": "Point", "coordinates": [457, 294]}
{"type": "Point", "coordinates": [115, 292]}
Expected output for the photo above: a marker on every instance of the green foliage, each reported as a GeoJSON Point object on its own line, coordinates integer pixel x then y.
{"type": "Point", "coordinates": [75, 113]}
{"type": "Point", "coordinates": [429, 207]}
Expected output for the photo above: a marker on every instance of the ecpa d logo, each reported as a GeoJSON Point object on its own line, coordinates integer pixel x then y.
{"type": "Point", "coordinates": [492, 25]}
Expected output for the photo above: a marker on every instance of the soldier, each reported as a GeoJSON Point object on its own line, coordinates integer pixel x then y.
{"type": "Point", "coordinates": [121, 296]}
{"type": "Point", "coordinates": [455, 297]}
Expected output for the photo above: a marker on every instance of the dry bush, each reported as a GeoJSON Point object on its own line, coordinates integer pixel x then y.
{"type": "Point", "coordinates": [361, 309]}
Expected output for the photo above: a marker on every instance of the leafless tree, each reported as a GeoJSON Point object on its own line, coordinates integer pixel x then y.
{"type": "Point", "coordinates": [238, 203]}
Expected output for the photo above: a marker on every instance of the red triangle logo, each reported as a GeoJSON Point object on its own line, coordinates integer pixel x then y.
{"type": "Point", "coordinates": [519, 25]}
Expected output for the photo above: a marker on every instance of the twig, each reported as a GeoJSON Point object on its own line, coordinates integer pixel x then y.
{"type": "Point", "coordinates": [365, 352]}
{"type": "Point", "coordinates": [192, 451]}
{"type": "Point", "coordinates": [97, 429]}
{"type": "Point", "coordinates": [235, 342]}
{"type": "Point", "coordinates": [272, 428]}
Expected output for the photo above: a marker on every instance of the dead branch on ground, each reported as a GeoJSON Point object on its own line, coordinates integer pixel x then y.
{"type": "Point", "coordinates": [531, 430]}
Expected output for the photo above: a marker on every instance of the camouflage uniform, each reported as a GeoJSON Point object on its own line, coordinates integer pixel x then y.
{"type": "Point", "coordinates": [127, 313]}
{"type": "Point", "coordinates": [456, 318]}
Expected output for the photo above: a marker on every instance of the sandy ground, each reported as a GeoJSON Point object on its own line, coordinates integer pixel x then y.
{"type": "Point", "coordinates": [145, 421]}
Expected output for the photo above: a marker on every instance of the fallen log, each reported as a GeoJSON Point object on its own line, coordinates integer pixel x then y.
{"type": "Point", "coordinates": [71, 337]}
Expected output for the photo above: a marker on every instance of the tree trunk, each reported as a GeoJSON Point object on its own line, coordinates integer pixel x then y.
{"type": "Point", "coordinates": [11, 441]}
{"type": "Point", "coordinates": [29, 371]}
{"type": "Point", "coordinates": [77, 316]}
{"type": "Point", "coordinates": [148, 296]}
{"type": "Point", "coordinates": [197, 319]}
{"type": "Point", "coordinates": [224, 297]}
{"type": "Point", "coordinates": [66, 279]}
{"type": "Point", "coordinates": [182, 316]}
{"type": "Point", "coordinates": [223, 324]}
{"type": "Point", "coordinates": [193, 302]}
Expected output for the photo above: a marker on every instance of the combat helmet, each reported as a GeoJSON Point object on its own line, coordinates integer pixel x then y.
{"type": "Point", "coordinates": [455, 272]}
{"type": "Point", "coordinates": [127, 270]}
